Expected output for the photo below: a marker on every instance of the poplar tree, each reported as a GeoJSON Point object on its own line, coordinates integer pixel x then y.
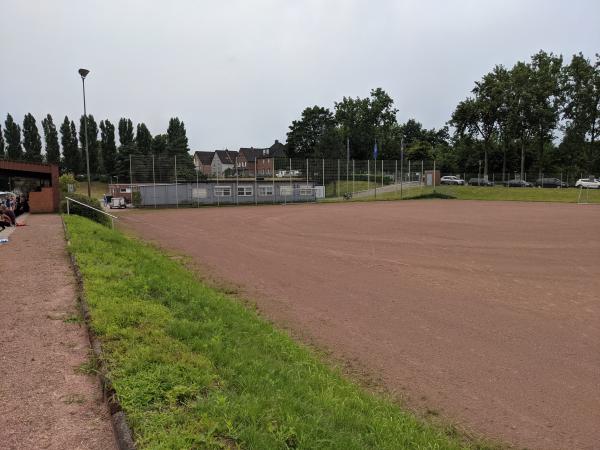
{"type": "Point", "coordinates": [12, 134]}
{"type": "Point", "coordinates": [32, 142]}
{"type": "Point", "coordinates": [143, 140]}
{"type": "Point", "coordinates": [69, 147]}
{"type": "Point", "coordinates": [108, 146]}
{"type": "Point", "coordinates": [92, 133]}
{"type": "Point", "coordinates": [1, 143]}
{"type": "Point", "coordinates": [51, 140]}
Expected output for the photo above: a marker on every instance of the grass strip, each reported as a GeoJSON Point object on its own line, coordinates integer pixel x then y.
{"type": "Point", "coordinates": [498, 193]}
{"type": "Point", "coordinates": [194, 368]}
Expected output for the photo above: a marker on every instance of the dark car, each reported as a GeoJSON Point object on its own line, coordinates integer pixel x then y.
{"type": "Point", "coordinates": [550, 183]}
{"type": "Point", "coordinates": [518, 183]}
{"type": "Point", "coordinates": [480, 182]}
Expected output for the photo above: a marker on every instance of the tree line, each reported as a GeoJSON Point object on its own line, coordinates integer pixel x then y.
{"type": "Point", "coordinates": [105, 157]}
{"type": "Point", "coordinates": [539, 115]}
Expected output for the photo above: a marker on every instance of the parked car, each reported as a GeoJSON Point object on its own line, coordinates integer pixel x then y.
{"type": "Point", "coordinates": [518, 183]}
{"type": "Point", "coordinates": [117, 203]}
{"type": "Point", "coordinates": [480, 182]}
{"type": "Point", "coordinates": [589, 183]}
{"type": "Point", "coordinates": [550, 183]}
{"type": "Point", "coordinates": [451, 179]}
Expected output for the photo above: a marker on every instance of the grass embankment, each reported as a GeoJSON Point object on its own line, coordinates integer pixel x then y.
{"type": "Point", "coordinates": [194, 368]}
{"type": "Point", "coordinates": [499, 193]}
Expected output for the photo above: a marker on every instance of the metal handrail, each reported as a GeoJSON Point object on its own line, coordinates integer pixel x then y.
{"type": "Point", "coordinates": [112, 218]}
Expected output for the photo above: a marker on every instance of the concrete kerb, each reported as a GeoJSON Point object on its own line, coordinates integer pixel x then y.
{"type": "Point", "coordinates": [123, 433]}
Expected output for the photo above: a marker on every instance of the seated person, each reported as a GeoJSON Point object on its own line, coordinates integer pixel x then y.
{"type": "Point", "coordinates": [9, 213]}
{"type": "Point", "coordinates": [4, 221]}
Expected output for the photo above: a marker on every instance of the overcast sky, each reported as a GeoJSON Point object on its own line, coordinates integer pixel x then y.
{"type": "Point", "coordinates": [237, 72]}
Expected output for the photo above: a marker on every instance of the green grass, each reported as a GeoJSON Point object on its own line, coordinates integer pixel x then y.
{"type": "Point", "coordinates": [195, 368]}
{"type": "Point", "coordinates": [491, 193]}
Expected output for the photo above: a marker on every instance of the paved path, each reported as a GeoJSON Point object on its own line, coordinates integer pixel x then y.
{"type": "Point", "coordinates": [44, 402]}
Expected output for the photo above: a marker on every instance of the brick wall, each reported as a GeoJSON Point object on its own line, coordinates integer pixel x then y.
{"type": "Point", "coordinates": [42, 202]}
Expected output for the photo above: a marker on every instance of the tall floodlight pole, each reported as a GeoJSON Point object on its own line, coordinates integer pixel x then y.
{"type": "Point", "coordinates": [83, 73]}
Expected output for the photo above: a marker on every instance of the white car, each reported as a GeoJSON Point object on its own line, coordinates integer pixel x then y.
{"type": "Point", "coordinates": [589, 183]}
{"type": "Point", "coordinates": [451, 179]}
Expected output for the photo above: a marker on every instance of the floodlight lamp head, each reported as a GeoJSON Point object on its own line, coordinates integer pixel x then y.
{"type": "Point", "coordinates": [83, 72]}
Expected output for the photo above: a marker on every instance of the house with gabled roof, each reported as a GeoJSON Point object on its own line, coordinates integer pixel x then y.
{"type": "Point", "coordinates": [223, 160]}
{"type": "Point", "coordinates": [259, 159]}
{"type": "Point", "coordinates": [203, 162]}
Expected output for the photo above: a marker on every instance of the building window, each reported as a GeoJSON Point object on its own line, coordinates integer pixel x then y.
{"type": "Point", "coordinates": [244, 191]}
{"type": "Point", "coordinates": [286, 190]}
{"type": "Point", "coordinates": [124, 190]}
{"type": "Point", "coordinates": [264, 191]}
{"type": "Point", "coordinates": [199, 193]}
{"type": "Point", "coordinates": [306, 191]}
{"type": "Point", "coordinates": [222, 191]}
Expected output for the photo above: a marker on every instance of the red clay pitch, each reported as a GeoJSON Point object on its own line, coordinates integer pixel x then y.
{"type": "Point", "coordinates": [486, 312]}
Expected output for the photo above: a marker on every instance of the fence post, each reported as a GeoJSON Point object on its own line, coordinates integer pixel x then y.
{"type": "Point", "coordinates": [396, 174]}
{"type": "Point", "coordinates": [402, 175]}
{"type": "Point", "coordinates": [306, 172]}
{"type": "Point", "coordinates": [324, 188]}
{"type": "Point", "coordinates": [273, 178]}
{"type": "Point", "coordinates": [433, 175]}
{"type": "Point", "coordinates": [337, 185]}
{"type": "Point", "coordinates": [237, 202]}
{"type": "Point", "coordinates": [68, 210]}
{"type": "Point", "coordinates": [197, 196]}
{"type": "Point", "coordinates": [353, 172]}
{"type": "Point", "coordinates": [154, 181]}
{"type": "Point", "coordinates": [130, 179]}
{"type": "Point", "coordinates": [368, 174]}
{"type": "Point", "coordinates": [422, 174]}
{"type": "Point", "coordinates": [255, 184]}
{"type": "Point", "coordinates": [382, 173]}
{"type": "Point", "coordinates": [176, 193]}
{"type": "Point", "coordinates": [291, 185]}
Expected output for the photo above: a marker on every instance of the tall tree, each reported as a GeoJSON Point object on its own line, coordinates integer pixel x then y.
{"type": "Point", "coordinates": [582, 108]}
{"type": "Point", "coordinates": [108, 146]}
{"type": "Point", "coordinates": [363, 121]}
{"type": "Point", "coordinates": [92, 141]}
{"type": "Point", "coordinates": [159, 145]}
{"type": "Point", "coordinates": [80, 167]}
{"type": "Point", "coordinates": [32, 142]}
{"type": "Point", "coordinates": [12, 134]}
{"type": "Point", "coordinates": [70, 149]}
{"type": "Point", "coordinates": [1, 143]}
{"type": "Point", "coordinates": [177, 146]}
{"type": "Point", "coordinates": [314, 135]}
{"type": "Point", "coordinates": [143, 140]}
{"type": "Point", "coordinates": [125, 132]}
{"type": "Point", "coordinates": [546, 96]}
{"type": "Point", "coordinates": [51, 140]}
{"type": "Point", "coordinates": [127, 147]}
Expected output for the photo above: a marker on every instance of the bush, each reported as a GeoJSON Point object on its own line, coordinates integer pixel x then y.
{"type": "Point", "coordinates": [136, 198]}
{"type": "Point", "coordinates": [67, 179]}
{"type": "Point", "coordinates": [80, 210]}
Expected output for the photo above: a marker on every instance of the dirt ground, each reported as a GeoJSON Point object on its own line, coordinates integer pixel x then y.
{"type": "Point", "coordinates": [486, 313]}
{"type": "Point", "coordinates": [44, 402]}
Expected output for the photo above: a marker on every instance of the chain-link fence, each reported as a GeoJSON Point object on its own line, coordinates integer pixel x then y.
{"type": "Point", "coordinates": [177, 180]}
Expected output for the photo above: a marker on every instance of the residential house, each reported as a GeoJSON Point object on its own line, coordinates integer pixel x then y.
{"type": "Point", "coordinates": [261, 159]}
{"type": "Point", "coordinates": [223, 160]}
{"type": "Point", "coordinates": [265, 162]}
{"type": "Point", "coordinates": [203, 162]}
{"type": "Point", "coordinates": [246, 160]}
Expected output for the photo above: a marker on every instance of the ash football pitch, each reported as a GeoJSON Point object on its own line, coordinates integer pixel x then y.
{"type": "Point", "coordinates": [486, 313]}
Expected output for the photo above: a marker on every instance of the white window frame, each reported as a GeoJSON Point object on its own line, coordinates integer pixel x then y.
{"type": "Point", "coordinates": [220, 191]}
{"type": "Point", "coordinates": [286, 190]}
{"type": "Point", "coordinates": [265, 190]}
{"type": "Point", "coordinates": [246, 191]}
{"type": "Point", "coordinates": [306, 191]}
{"type": "Point", "coordinates": [199, 193]}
